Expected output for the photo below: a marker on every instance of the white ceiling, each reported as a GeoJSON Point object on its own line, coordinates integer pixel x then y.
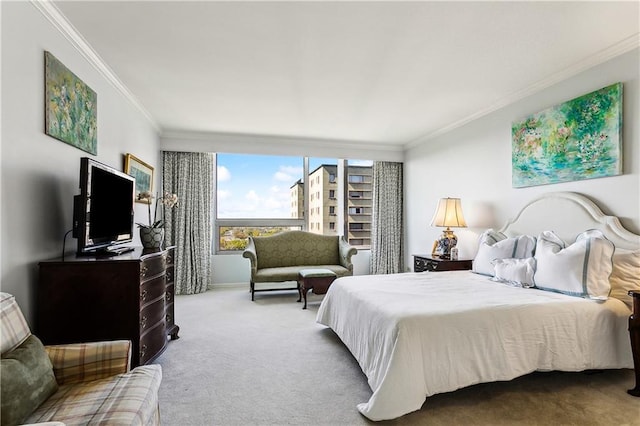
{"type": "Point", "coordinates": [377, 72]}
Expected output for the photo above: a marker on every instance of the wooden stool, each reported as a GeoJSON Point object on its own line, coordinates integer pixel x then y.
{"type": "Point", "coordinates": [317, 279]}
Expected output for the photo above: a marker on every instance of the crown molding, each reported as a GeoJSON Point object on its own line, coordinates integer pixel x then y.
{"type": "Point", "coordinates": [601, 57]}
{"type": "Point", "coordinates": [62, 24]}
{"type": "Point", "coordinates": [176, 140]}
{"type": "Point", "coordinates": [281, 139]}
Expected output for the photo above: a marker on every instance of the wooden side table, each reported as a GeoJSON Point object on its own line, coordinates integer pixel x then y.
{"type": "Point", "coordinates": [634, 334]}
{"type": "Point", "coordinates": [427, 262]}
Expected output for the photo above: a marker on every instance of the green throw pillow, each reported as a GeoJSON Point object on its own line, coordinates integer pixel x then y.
{"type": "Point", "coordinates": [27, 380]}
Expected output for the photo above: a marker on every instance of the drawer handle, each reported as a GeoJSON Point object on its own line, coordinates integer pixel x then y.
{"type": "Point", "coordinates": [168, 296]}
{"type": "Point", "coordinates": [143, 351]}
{"type": "Point", "coordinates": [143, 296]}
{"type": "Point", "coordinates": [143, 271]}
{"type": "Point", "coordinates": [169, 276]}
{"type": "Point", "coordinates": [143, 322]}
{"type": "Point", "coordinates": [167, 318]}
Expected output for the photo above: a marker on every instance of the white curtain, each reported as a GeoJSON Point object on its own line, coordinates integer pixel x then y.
{"type": "Point", "coordinates": [190, 175]}
{"type": "Point", "coordinates": [386, 229]}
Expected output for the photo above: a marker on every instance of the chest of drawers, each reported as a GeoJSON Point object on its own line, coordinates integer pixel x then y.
{"type": "Point", "coordinates": [130, 297]}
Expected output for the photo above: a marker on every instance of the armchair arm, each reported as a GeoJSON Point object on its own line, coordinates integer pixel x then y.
{"type": "Point", "coordinates": [83, 362]}
{"type": "Point", "coordinates": [346, 251]}
{"type": "Point", "coordinates": [250, 253]}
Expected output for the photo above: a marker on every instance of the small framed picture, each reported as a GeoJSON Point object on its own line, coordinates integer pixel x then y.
{"type": "Point", "coordinates": [143, 173]}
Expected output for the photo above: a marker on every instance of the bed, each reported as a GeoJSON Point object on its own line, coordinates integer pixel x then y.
{"type": "Point", "coordinates": [420, 334]}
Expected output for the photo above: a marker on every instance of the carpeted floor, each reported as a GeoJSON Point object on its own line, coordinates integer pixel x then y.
{"type": "Point", "coordinates": [267, 362]}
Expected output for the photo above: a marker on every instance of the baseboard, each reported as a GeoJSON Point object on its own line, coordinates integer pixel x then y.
{"type": "Point", "coordinates": [227, 285]}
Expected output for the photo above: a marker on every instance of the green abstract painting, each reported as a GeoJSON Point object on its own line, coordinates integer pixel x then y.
{"type": "Point", "coordinates": [579, 139]}
{"type": "Point", "coordinates": [70, 107]}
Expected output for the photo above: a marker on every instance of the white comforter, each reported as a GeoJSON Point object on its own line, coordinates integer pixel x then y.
{"type": "Point", "coordinates": [419, 334]}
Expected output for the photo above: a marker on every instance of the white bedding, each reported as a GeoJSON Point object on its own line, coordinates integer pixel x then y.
{"type": "Point", "coordinates": [419, 334]}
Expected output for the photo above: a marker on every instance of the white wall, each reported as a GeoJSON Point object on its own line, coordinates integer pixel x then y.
{"type": "Point", "coordinates": [473, 162]}
{"type": "Point", "coordinates": [39, 174]}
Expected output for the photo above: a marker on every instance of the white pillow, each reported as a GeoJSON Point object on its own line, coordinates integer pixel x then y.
{"type": "Point", "coordinates": [495, 245]}
{"type": "Point", "coordinates": [582, 269]}
{"type": "Point", "coordinates": [625, 275]}
{"type": "Point", "coordinates": [518, 272]}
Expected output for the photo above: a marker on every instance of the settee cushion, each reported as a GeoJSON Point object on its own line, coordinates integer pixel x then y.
{"type": "Point", "coordinates": [124, 399]}
{"type": "Point", "coordinates": [290, 273]}
{"type": "Point", "coordinates": [27, 380]}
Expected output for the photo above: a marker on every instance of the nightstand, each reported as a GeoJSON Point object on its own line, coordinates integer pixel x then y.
{"type": "Point", "coordinates": [426, 262]}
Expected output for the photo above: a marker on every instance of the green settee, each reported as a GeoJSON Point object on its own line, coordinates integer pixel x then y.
{"type": "Point", "coordinates": [279, 258]}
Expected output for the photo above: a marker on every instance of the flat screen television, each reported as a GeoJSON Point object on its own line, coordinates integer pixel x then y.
{"type": "Point", "coordinates": [103, 212]}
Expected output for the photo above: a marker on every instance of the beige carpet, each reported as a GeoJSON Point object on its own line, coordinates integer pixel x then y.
{"type": "Point", "coordinates": [267, 362]}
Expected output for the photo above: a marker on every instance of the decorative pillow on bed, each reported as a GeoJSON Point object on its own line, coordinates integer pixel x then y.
{"type": "Point", "coordinates": [495, 245]}
{"type": "Point", "coordinates": [518, 272]}
{"type": "Point", "coordinates": [625, 275]}
{"type": "Point", "coordinates": [582, 269]}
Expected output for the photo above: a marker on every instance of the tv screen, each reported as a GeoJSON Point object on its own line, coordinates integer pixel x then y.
{"type": "Point", "coordinates": [103, 212]}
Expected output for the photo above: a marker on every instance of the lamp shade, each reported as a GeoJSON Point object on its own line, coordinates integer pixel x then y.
{"type": "Point", "coordinates": [449, 214]}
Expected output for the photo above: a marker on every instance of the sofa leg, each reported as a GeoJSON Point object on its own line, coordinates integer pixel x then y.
{"type": "Point", "coordinates": [253, 290]}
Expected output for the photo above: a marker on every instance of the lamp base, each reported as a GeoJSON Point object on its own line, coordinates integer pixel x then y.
{"type": "Point", "coordinates": [445, 243]}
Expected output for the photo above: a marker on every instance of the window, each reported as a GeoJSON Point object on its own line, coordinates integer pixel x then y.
{"type": "Point", "coordinates": [252, 199]}
{"type": "Point", "coordinates": [263, 195]}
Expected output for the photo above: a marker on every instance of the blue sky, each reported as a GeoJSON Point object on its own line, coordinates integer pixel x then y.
{"type": "Point", "coordinates": [251, 186]}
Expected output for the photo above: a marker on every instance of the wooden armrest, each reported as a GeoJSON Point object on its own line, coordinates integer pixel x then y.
{"type": "Point", "coordinates": [83, 362]}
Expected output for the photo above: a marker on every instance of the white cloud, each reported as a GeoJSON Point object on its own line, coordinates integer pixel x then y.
{"type": "Point", "coordinates": [252, 196]}
{"type": "Point", "coordinates": [288, 174]}
{"type": "Point", "coordinates": [292, 170]}
{"type": "Point", "coordinates": [283, 177]}
{"type": "Point", "coordinates": [223, 174]}
{"type": "Point", "coordinates": [224, 195]}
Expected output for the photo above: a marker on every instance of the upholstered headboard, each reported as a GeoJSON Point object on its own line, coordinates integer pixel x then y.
{"type": "Point", "coordinates": [568, 214]}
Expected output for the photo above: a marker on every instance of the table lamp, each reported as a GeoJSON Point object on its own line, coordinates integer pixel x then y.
{"type": "Point", "coordinates": [449, 214]}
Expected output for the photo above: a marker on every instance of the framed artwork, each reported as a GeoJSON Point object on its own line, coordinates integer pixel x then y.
{"type": "Point", "coordinates": [143, 173]}
{"type": "Point", "coordinates": [70, 107]}
{"type": "Point", "coordinates": [579, 139]}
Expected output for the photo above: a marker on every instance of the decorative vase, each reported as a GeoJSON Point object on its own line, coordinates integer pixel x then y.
{"type": "Point", "coordinates": [151, 238]}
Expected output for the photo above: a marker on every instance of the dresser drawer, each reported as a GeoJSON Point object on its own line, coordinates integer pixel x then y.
{"type": "Point", "coordinates": [152, 290]}
{"type": "Point", "coordinates": [420, 264]}
{"type": "Point", "coordinates": [151, 315]}
{"type": "Point", "coordinates": [424, 263]}
{"type": "Point", "coordinates": [152, 265]}
{"type": "Point", "coordinates": [152, 342]}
